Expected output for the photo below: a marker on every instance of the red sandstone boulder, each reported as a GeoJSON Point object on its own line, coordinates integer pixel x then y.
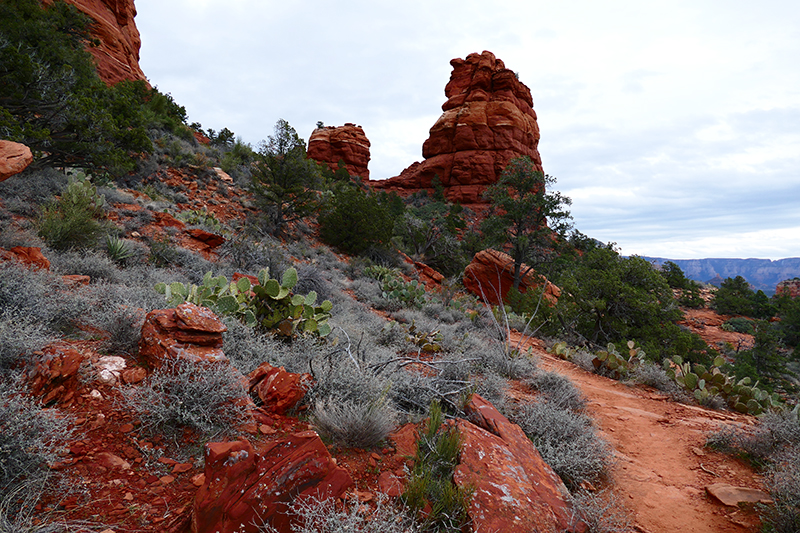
{"type": "Point", "coordinates": [210, 240]}
{"type": "Point", "coordinates": [515, 490]}
{"type": "Point", "coordinates": [54, 377]}
{"type": "Point", "coordinates": [186, 332]}
{"type": "Point", "coordinates": [790, 287]}
{"type": "Point", "coordinates": [277, 389]}
{"type": "Point", "coordinates": [490, 275]}
{"type": "Point", "coordinates": [117, 56]}
{"type": "Point", "coordinates": [331, 144]}
{"type": "Point", "coordinates": [28, 256]}
{"type": "Point", "coordinates": [488, 120]}
{"type": "Point", "coordinates": [14, 158]}
{"type": "Point", "coordinates": [244, 488]}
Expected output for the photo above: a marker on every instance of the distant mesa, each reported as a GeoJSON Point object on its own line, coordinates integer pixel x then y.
{"type": "Point", "coordinates": [330, 144]}
{"type": "Point", "coordinates": [762, 274]}
{"type": "Point", "coordinates": [488, 120]}
{"type": "Point", "coordinates": [117, 56]}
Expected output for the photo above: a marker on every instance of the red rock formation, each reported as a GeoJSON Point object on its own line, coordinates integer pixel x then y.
{"type": "Point", "coordinates": [186, 332]}
{"type": "Point", "coordinates": [14, 158]}
{"type": "Point", "coordinates": [515, 490]}
{"type": "Point", "coordinates": [790, 287]}
{"type": "Point", "coordinates": [28, 256]}
{"type": "Point", "coordinates": [277, 389]}
{"type": "Point", "coordinates": [488, 120]}
{"type": "Point", "coordinates": [331, 144]}
{"type": "Point", "coordinates": [244, 489]}
{"type": "Point", "coordinates": [490, 275]}
{"type": "Point", "coordinates": [117, 57]}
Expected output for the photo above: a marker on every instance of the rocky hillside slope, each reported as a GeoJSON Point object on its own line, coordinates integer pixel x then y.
{"type": "Point", "coordinates": [763, 274]}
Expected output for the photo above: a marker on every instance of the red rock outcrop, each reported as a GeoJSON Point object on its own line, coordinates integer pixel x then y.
{"type": "Point", "coordinates": [186, 332]}
{"type": "Point", "coordinates": [27, 255]}
{"type": "Point", "coordinates": [790, 287]}
{"type": "Point", "coordinates": [515, 490]}
{"type": "Point", "coordinates": [117, 56]}
{"type": "Point", "coordinates": [277, 389]}
{"type": "Point", "coordinates": [348, 143]}
{"type": "Point", "coordinates": [244, 488]}
{"type": "Point", "coordinates": [488, 120]}
{"type": "Point", "coordinates": [490, 275]}
{"type": "Point", "coordinates": [14, 158]}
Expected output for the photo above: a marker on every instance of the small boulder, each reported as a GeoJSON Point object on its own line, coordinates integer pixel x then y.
{"type": "Point", "coordinates": [244, 489]}
{"type": "Point", "coordinates": [515, 490]}
{"type": "Point", "coordinates": [732, 496]}
{"type": "Point", "coordinates": [490, 276]}
{"type": "Point", "coordinates": [186, 332]}
{"type": "Point", "coordinates": [55, 377]}
{"type": "Point", "coordinates": [278, 390]}
{"type": "Point", "coordinates": [27, 255]}
{"type": "Point", "coordinates": [14, 158]}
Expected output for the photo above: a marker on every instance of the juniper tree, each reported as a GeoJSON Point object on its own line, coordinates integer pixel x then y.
{"type": "Point", "coordinates": [526, 219]}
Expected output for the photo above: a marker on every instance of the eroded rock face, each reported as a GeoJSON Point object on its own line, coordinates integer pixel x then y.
{"type": "Point", "coordinates": [515, 490]}
{"type": "Point", "coordinates": [186, 332]}
{"type": "Point", "coordinates": [490, 275]}
{"type": "Point", "coordinates": [488, 120]}
{"type": "Point", "coordinates": [117, 56]}
{"type": "Point", "coordinates": [14, 158]}
{"type": "Point", "coordinates": [790, 287]}
{"type": "Point", "coordinates": [348, 143]}
{"type": "Point", "coordinates": [244, 488]}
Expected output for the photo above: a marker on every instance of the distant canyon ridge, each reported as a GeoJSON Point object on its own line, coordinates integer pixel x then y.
{"type": "Point", "coordinates": [762, 274]}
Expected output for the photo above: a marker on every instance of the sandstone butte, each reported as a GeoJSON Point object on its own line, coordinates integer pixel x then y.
{"type": "Point", "coordinates": [488, 120]}
{"type": "Point", "coordinates": [330, 144]}
{"type": "Point", "coordinates": [117, 56]}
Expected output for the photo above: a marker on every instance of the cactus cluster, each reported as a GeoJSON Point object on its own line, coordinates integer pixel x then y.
{"type": "Point", "coordinates": [610, 361]}
{"type": "Point", "coordinates": [394, 287]}
{"type": "Point", "coordinates": [200, 217]}
{"type": "Point", "coordinates": [704, 383]}
{"type": "Point", "coordinates": [270, 305]}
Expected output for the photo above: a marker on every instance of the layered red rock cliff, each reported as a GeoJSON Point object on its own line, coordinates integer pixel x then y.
{"type": "Point", "coordinates": [488, 120]}
{"type": "Point", "coordinates": [117, 56]}
{"type": "Point", "coordinates": [348, 143]}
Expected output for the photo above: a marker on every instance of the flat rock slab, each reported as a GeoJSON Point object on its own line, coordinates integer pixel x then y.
{"type": "Point", "coordinates": [732, 496]}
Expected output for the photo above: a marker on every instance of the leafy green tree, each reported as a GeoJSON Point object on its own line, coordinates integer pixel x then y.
{"type": "Point", "coordinates": [52, 100]}
{"type": "Point", "coordinates": [525, 218]}
{"type": "Point", "coordinates": [609, 298]}
{"type": "Point", "coordinates": [285, 183]}
{"type": "Point", "coordinates": [734, 297]}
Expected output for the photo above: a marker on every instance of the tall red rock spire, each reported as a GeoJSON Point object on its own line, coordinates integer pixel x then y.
{"type": "Point", "coordinates": [488, 120]}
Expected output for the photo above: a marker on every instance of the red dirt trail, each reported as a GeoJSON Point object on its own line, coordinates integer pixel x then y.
{"type": "Point", "coordinates": [662, 467]}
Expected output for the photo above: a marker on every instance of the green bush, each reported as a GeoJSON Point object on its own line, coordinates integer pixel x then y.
{"type": "Point", "coordinates": [739, 325]}
{"type": "Point", "coordinates": [431, 483]}
{"type": "Point", "coordinates": [73, 220]}
{"type": "Point", "coordinates": [355, 221]}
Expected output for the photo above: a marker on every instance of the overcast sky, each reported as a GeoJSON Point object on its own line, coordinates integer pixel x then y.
{"type": "Point", "coordinates": [674, 126]}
